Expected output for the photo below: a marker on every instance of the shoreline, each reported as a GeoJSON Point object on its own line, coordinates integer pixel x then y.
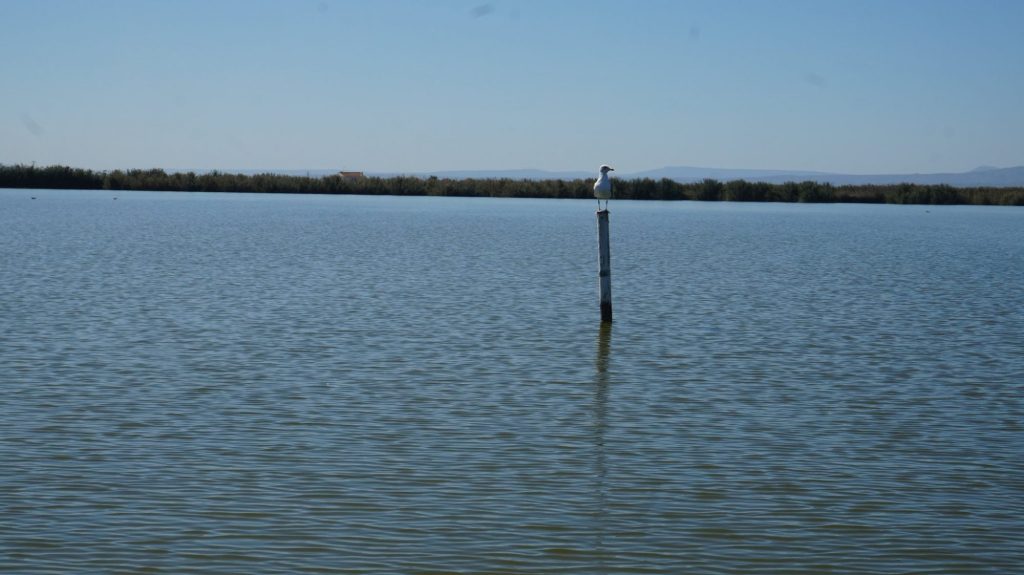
{"type": "Point", "coordinates": [64, 177]}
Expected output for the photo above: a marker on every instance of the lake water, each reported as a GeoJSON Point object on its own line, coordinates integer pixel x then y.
{"type": "Point", "coordinates": [234, 383]}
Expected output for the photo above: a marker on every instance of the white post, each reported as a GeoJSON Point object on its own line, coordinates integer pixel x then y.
{"type": "Point", "coordinates": [604, 265]}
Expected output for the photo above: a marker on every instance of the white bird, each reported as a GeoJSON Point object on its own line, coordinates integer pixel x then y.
{"type": "Point", "coordinates": [603, 187]}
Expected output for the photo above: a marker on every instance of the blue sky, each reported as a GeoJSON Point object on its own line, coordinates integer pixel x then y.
{"type": "Point", "coordinates": [863, 86]}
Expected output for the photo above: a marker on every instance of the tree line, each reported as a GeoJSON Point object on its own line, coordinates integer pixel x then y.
{"type": "Point", "coordinates": [63, 177]}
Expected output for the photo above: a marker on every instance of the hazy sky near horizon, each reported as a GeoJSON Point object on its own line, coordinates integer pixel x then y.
{"type": "Point", "coordinates": [855, 86]}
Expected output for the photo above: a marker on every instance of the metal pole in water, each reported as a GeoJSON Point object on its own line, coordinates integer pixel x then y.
{"type": "Point", "coordinates": [604, 265]}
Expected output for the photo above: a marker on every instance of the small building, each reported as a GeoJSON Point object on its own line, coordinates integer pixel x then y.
{"type": "Point", "coordinates": [351, 175]}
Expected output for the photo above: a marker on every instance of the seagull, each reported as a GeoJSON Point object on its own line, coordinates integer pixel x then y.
{"type": "Point", "coordinates": [603, 187]}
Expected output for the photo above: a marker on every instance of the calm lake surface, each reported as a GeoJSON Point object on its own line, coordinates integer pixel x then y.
{"type": "Point", "coordinates": [235, 383]}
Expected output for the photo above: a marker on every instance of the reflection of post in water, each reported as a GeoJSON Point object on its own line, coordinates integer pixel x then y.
{"type": "Point", "coordinates": [604, 340]}
{"type": "Point", "coordinates": [604, 343]}
{"type": "Point", "coordinates": [600, 418]}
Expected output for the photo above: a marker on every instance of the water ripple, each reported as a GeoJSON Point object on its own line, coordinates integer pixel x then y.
{"type": "Point", "coordinates": [272, 384]}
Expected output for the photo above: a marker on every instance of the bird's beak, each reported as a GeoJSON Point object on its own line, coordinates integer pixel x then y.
{"type": "Point", "coordinates": [611, 169]}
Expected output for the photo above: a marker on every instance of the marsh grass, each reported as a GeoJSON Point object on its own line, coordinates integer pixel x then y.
{"type": "Point", "coordinates": [63, 177]}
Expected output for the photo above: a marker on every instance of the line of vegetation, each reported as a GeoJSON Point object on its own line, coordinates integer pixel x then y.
{"type": "Point", "coordinates": [62, 177]}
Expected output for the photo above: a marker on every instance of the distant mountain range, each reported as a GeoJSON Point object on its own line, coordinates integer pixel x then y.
{"type": "Point", "coordinates": [984, 176]}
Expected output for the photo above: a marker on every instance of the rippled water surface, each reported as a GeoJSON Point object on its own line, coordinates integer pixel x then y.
{"type": "Point", "coordinates": [215, 383]}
